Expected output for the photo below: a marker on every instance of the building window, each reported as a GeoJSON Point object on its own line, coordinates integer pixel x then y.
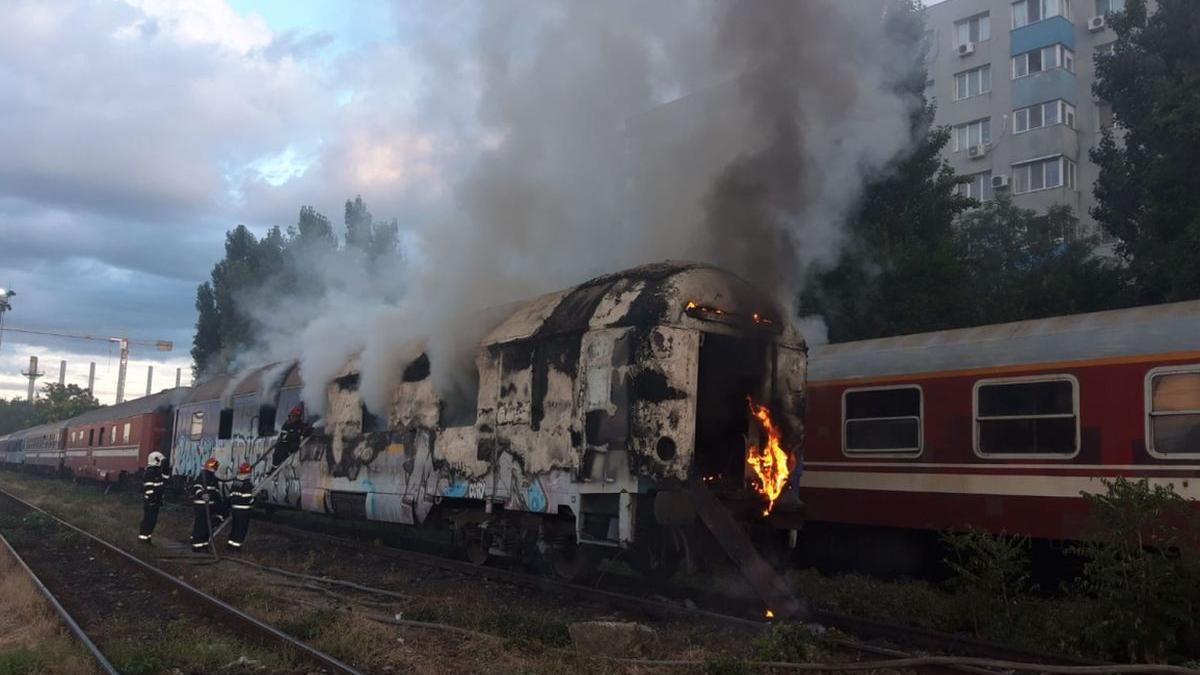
{"type": "Point", "coordinates": [1026, 12]}
{"type": "Point", "coordinates": [977, 187]}
{"type": "Point", "coordinates": [1043, 174]}
{"type": "Point", "coordinates": [196, 429]}
{"type": "Point", "coordinates": [1043, 115]}
{"type": "Point", "coordinates": [975, 29]}
{"type": "Point", "coordinates": [882, 420]}
{"type": "Point", "coordinates": [1173, 411]}
{"type": "Point", "coordinates": [1046, 58]}
{"type": "Point", "coordinates": [978, 132]}
{"type": "Point", "coordinates": [972, 82]}
{"type": "Point", "coordinates": [1108, 6]}
{"type": "Point", "coordinates": [1027, 416]}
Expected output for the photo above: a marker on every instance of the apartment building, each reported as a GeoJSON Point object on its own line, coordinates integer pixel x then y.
{"type": "Point", "coordinates": [1013, 80]}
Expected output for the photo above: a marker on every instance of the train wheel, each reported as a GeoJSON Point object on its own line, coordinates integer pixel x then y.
{"type": "Point", "coordinates": [657, 555]}
{"type": "Point", "coordinates": [477, 548]}
{"type": "Point", "coordinates": [569, 561]}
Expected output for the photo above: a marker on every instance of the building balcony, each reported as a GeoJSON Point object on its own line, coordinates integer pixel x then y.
{"type": "Point", "coordinates": [1057, 139]}
{"type": "Point", "coordinates": [1044, 33]}
{"type": "Point", "coordinates": [1044, 86]}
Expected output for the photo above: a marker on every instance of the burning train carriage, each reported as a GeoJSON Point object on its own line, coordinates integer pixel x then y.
{"type": "Point", "coordinates": [596, 407]}
{"type": "Point", "coordinates": [111, 443]}
{"type": "Point", "coordinates": [236, 418]}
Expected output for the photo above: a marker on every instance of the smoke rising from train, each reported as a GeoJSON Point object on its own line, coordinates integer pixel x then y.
{"type": "Point", "coordinates": [611, 134]}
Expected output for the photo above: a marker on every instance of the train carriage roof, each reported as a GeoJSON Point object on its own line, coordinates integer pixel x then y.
{"type": "Point", "coordinates": [48, 428]}
{"type": "Point", "coordinates": [656, 294]}
{"type": "Point", "coordinates": [245, 382]}
{"type": "Point", "coordinates": [130, 408]}
{"type": "Point", "coordinates": [1155, 329]}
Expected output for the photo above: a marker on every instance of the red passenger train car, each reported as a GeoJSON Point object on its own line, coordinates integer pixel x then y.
{"type": "Point", "coordinates": [107, 444]}
{"type": "Point", "coordinates": [1002, 427]}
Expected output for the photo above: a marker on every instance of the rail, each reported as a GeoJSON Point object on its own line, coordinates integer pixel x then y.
{"type": "Point", "coordinates": [62, 612]}
{"type": "Point", "coordinates": [232, 613]}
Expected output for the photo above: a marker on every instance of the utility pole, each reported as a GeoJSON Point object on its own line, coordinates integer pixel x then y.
{"type": "Point", "coordinates": [124, 346]}
{"type": "Point", "coordinates": [178, 375]}
{"type": "Point", "coordinates": [149, 379]}
{"type": "Point", "coordinates": [92, 378]}
{"type": "Point", "coordinates": [33, 375]}
{"type": "Point", "coordinates": [62, 373]}
{"type": "Point", "coordinates": [122, 342]}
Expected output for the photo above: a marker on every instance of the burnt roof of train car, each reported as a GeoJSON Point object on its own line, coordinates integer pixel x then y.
{"type": "Point", "coordinates": [655, 294]}
{"type": "Point", "coordinates": [250, 381]}
{"type": "Point", "coordinates": [137, 406]}
{"type": "Point", "coordinates": [1155, 329]}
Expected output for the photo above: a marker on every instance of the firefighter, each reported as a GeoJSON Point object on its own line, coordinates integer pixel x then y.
{"type": "Point", "coordinates": [241, 500]}
{"type": "Point", "coordinates": [154, 478]}
{"type": "Point", "coordinates": [206, 504]}
{"type": "Point", "coordinates": [293, 431]}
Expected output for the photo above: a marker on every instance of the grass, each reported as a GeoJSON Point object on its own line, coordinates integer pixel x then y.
{"type": "Point", "coordinates": [32, 641]}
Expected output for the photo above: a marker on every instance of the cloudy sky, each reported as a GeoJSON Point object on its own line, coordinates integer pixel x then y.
{"type": "Point", "coordinates": [136, 132]}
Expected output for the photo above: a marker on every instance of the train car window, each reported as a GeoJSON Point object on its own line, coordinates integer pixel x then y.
{"type": "Point", "coordinates": [225, 424]}
{"type": "Point", "coordinates": [128, 428]}
{"type": "Point", "coordinates": [266, 420]}
{"type": "Point", "coordinates": [100, 440]}
{"type": "Point", "coordinates": [196, 429]}
{"type": "Point", "coordinates": [886, 420]}
{"type": "Point", "coordinates": [1173, 419]}
{"type": "Point", "coordinates": [91, 436]}
{"type": "Point", "coordinates": [1038, 417]}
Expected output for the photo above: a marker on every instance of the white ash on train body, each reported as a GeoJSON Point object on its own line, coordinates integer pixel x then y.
{"type": "Point", "coordinates": [597, 408]}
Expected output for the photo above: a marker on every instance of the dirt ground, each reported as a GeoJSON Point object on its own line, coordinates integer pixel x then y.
{"type": "Point", "coordinates": [484, 626]}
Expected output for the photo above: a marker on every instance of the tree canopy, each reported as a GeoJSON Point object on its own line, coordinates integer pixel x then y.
{"type": "Point", "coordinates": [57, 403]}
{"type": "Point", "coordinates": [1148, 192]}
{"type": "Point", "coordinates": [276, 266]}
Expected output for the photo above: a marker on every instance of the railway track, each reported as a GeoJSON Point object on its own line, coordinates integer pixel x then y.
{"type": "Point", "coordinates": [965, 654]}
{"type": "Point", "coordinates": [103, 593]}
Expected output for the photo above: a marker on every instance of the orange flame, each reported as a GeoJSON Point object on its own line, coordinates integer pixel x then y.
{"type": "Point", "coordinates": [770, 462]}
{"type": "Point", "coordinates": [769, 614]}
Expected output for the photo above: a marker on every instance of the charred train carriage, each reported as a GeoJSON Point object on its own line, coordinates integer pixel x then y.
{"type": "Point", "coordinates": [597, 407]}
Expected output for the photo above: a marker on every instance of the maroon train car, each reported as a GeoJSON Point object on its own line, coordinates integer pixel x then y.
{"type": "Point", "coordinates": [1001, 427]}
{"type": "Point", "coordinates": [110, 443]}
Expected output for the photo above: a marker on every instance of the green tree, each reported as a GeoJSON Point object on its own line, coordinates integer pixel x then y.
{"type": "Point", "coordinates": [18, 414]}
{"type": "Point", "coordinates": [1148, 191]}
{"type": "Point", "coordinates": [206, 343]}
{"type": "Point", "coordinates": [1022, 265]}
{"type": "Point", "coordinates": [62, 402]}
{"type": "Point", "coordinates": [359, 233]}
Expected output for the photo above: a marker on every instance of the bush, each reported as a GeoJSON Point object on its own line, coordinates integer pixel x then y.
{"type": "Point", "coordinates": [991, 574]}
{"type": "Point", "coordinates": [1140, 567]}
{"type": "Point", "coordinates": [786, 642]}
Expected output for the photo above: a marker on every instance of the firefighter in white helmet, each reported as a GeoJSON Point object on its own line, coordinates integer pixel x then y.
{"type": "Point", "coordinates": [154, 478]}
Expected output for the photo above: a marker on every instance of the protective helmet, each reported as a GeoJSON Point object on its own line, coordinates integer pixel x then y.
{"type": "Point", "coordinates": [244, 469]}
{"type": "Point", "coordinates": [211, 464]}
{"type": "Point", "coordinates": [156, 458]}
{"type": "Point", "coordinates": [298, 411]}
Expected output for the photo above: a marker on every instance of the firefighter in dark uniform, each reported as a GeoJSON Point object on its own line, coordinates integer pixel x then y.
{"type": "Point", "coordinates": [154, 478]}
{"type": "Point", "coordinates": [293, 431]}
{"type": "Point", "coordinates": [206, 505]}
{"type": "Point", "coordinates": [241, 500]}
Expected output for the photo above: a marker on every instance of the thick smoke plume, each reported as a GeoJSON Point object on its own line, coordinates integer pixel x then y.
{"type": "Point", "coordinates": [611, 134]}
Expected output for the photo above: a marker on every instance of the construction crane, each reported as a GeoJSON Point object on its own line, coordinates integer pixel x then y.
{"type": "Point", "coordinates": [122, 342]}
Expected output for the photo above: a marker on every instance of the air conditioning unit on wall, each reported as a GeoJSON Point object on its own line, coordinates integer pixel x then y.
{"type": "Point", "coordinates": [1096, 23]}
{"type": "Point", "coordinates": [999, 182]}
{"type": "Point", "coordinates": [967, 48]}
{"type": "Point", "coordinates": [977, 151]}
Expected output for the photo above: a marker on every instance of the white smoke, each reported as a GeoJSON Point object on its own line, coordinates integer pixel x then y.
{"type": "Point", "coordinates": [781, 112]}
